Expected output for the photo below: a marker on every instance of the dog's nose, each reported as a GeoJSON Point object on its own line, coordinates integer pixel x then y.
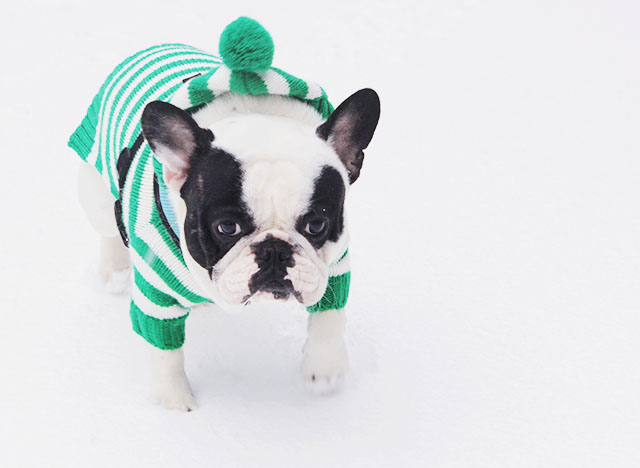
{"type": "Point", "coordinates": [273, 257]}
{"type": "Point", "coordinates": [273, 254]}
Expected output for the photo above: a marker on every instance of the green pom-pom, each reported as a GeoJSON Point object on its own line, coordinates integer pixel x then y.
{"type": "Point", "coordinates": [246, 46]}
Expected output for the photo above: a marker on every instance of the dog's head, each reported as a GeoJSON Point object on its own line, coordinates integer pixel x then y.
{"type": "Point", "coordinates": [259, 197]}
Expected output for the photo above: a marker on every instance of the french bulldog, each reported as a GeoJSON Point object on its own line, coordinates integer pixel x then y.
{"type": "Point", "coordinates": [258, 185]}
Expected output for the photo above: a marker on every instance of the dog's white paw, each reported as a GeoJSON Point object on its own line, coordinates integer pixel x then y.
{"type": "Point", "coordinates": [174, 395]}
{"type": "Point", "coordinates": [324, 366]}
{"type": "Point", "coordinates": [116, 282]}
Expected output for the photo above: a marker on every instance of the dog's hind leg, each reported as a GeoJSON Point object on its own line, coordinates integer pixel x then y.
{"type": "Point", "coordinates": [97, 202]}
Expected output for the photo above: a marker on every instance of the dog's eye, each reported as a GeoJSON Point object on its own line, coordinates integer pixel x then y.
{"type": "Point", "coordinates": [229, 228]}
{"type": "Point", "coordinates": [315, 227]}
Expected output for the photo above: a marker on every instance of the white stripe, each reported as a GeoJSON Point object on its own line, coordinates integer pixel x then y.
{"type": "Point", "coordinates": [219, 81]}
{"type": "Point", "coordinates": [314, 91]}
{"type": "Point", "coordinates": [154, 310]}
{"type": "Point", "coordinates": [181, 98]}
{"type": "Point", "coordinates": [276, 83]}
{"type": "Point", "coordinates": [340, 268]}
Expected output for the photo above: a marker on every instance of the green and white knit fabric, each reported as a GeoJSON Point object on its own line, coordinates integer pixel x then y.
{"type": "Point", "coordinates": [163, 288]}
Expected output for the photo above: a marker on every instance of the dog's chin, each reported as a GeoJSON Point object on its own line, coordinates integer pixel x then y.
{"type": "Point", "coordinates": [237, 293]}
{"type": "Point", "coordinates": [268, 296]}
{"type": "Point", "coordinates": [235, 297]}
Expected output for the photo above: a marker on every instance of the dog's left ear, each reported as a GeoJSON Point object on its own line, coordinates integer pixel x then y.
{"type": "Point", "coordinates": [350, 128]}
{"type": "Point", "coordinates": [174, 138]}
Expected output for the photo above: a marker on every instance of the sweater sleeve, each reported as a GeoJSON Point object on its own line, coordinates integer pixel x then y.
{"type": "Point", "coordinates": [337, 292]}
{"type": "Point", "coordinates": [156, 316]}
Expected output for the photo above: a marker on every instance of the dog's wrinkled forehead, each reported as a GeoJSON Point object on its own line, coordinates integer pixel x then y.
{"type": "Point", "coordinates": [281, 163]}
{"type": "Point", "coordinates": [277, 192]}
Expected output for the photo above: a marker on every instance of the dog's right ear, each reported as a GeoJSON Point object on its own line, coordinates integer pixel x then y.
{"type": "Point", "coordinates": [174, 138]}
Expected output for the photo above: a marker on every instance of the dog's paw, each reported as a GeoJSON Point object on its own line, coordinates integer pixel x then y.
{"type": "Point", "coordinates": [324, 366]}
{"type": "Point", "coordinates": [116, 282]}
{"type": "Point", "coordinates": [174, 396]}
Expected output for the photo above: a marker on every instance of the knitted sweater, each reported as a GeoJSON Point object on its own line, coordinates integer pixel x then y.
{"type": "Point", "coordinates": [110, 138]}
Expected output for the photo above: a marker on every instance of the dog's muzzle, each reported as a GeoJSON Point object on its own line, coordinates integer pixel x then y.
{"type": "Point", "coordinates": [273, 257]}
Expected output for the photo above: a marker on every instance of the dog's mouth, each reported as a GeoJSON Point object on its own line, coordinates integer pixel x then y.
{"type": "Point", "coordinates": [268, 290]}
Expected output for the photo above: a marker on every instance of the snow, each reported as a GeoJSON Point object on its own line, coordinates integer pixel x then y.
{"type": "Point", "coordinates": [493, 319]}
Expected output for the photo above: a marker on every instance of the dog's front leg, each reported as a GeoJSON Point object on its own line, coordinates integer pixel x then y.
{"type": "Point", "coordinates": [170, 387]}
{"type": "Point", "coordinates": [325, 360]}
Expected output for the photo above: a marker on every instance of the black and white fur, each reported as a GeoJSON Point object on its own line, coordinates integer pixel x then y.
{"type": "Point", "coordinates": [258, 186]}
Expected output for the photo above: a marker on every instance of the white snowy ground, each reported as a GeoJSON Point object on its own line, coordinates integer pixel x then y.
{"type": "Point", "coordinates": [495, 308]}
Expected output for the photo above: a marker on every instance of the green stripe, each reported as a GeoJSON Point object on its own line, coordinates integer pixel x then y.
{"type": "Point", "coordinates": [199, 92]}
{"type": "Point", "coordinates": [322, 104]}
{"type": "Point", "coordinates": [343, 255]}
{"type": "Point", "coordinates": [164, 272]}
{"type": "Point", "coordinates": [247, 83]}
{"type": "Point", "coordinates": [335, 296]}
{"type": "Point", "coordinates": [152, 293]}
{"type": "Point", "coordinates": [83, 139]}
{"type": "Point", "coordinates": [163, 334]}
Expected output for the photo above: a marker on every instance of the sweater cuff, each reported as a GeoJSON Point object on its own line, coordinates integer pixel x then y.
{"type": "Point", "coordinates": [335, 296]}
{"type": "Point", "coordinates": [84, 136]}
{"type": "Point", "coordinates": [161, 333]}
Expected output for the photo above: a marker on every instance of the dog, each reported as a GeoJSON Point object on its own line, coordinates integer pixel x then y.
{"type": "Point", "coordinates": [229, 181]}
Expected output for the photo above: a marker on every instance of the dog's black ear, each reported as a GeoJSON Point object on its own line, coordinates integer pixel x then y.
{"type": "Point", "coordinates": [174, 138]}
{"type": "Point", "coordinates": [350, 128]}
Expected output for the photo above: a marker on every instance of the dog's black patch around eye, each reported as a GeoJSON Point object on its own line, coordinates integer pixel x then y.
{"type": "Point", "coordinates": [213, 191]}
{"type": "Point", "coordinates": [327, 203]}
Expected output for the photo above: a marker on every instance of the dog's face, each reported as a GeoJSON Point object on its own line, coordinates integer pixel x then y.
{"type": "Point", "coordinates": [260, 198]}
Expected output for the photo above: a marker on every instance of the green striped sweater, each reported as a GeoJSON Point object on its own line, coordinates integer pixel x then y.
{"type": "Point", "coordinates": [110, 138]}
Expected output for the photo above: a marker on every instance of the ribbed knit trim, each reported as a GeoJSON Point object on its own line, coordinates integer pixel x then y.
{"type": "Point", "coordinates": [163, 334]}
{"type": "Point", "coordinates": [82, 140]}
{"type": "Point", "coordinates": [336, 295]}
